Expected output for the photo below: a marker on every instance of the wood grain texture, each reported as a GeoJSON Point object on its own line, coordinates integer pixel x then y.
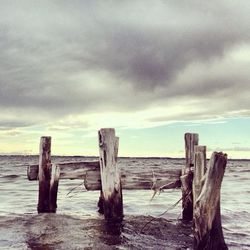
{"type": "Point", "coordinates": [208, 232]}
{"type": "Point", "coordinates": [54, 182]}
{"type": "Point", "coordinates": [131, 178]}
{"type": "Point", "coordinates": [110, 175]}
{"type": "Point", "coordinates": [44, 175]}
{"type": "Point", "coordinates": [191, 140]}
{"type": "Point", "coordinates": [199, 170]}
{"type": "Point", "coordinates": [68, 170]}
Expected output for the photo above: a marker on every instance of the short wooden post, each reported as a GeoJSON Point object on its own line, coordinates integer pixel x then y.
{"type": "Point", "coordinates": [208, 232]}
{"type": "Point", "coordinates": [110, 175]}
{"type": "Point", "coordinates": [55, 175]}
{"type": "Point", "coordinates": [191, 140]}
{"type": "Point", "coordinates": [44, 175]}
{"type": "Point", "coordinates": [199, 170]}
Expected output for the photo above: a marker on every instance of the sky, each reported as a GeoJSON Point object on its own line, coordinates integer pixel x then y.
{"type": "Point", "coordinates": [153, 70]}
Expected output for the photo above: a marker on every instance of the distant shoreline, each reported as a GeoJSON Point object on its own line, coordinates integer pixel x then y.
{"type": "Point", "coordinates": [122, 157]}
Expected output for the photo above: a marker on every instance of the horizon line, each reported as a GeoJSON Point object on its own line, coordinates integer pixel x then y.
{"type": "Point", "coordinates": [141, 157]}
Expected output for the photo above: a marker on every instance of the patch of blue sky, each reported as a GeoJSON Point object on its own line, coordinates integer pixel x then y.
{"type": "Point", "coordinates": [230, 134]}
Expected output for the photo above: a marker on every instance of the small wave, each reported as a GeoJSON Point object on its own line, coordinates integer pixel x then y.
{"type": "Point", "coordinates": [244, 171]}
{"type": "Point", "coordinates": [11, 176]}
{"type": "Point", "coordinates": [240, 235]}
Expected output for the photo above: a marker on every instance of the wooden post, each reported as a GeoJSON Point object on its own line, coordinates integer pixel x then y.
{"type": "Point", "coordinates": [48, 176]}
{"type": "Point", "coordinates": [112, 202]}
{"type": "Point", "coordinates": [101, 198]}
{"type": "Point", "coordinates": [44, 175]}
{"type": "Point", "coordinates": [55, 175]}
{"type": "Point", "coordinates": [187, 176]}
{"type": "Point", "coordinates": [199, 170]}
{"type": "Point", "coordinates": [208, 232]}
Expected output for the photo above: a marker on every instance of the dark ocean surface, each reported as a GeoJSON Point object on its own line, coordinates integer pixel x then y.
{"type": "Point", "coordinates": [77, 224]}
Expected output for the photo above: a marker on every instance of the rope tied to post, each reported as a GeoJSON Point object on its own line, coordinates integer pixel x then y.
{"type": "Point", "coordinates": [160, 189]}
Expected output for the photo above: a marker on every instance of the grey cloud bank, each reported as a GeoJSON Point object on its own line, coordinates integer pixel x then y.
{"type": "Point", "coordinates": [74, 57]}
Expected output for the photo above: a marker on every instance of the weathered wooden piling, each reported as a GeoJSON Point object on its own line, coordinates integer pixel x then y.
{"type": "Point", "coordinates": [55, 175]}
{"type": "Point", "coordinates": [69, 170]}
{"type": "Point", "coordinates": [112, 201]}
{"type": "Point", "coordinates": [48, 176]}
{"type": "Point", "coordinates": [208, 232]}
{"type": "Point", "coordinates": [200, 186]}
{"type": "Point", "coordinates": [199, 170]}
{"type": "Point", "coordinates": [191, 139]}
{"type": "Point", "coordinates": [44, 175]}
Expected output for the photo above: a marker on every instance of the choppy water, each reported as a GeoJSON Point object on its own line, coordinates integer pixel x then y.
{"type": "Point", "coordinates": [77, 225]}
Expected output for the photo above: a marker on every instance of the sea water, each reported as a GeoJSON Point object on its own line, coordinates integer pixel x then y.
{"type": "Point", "coordinates": [77, 224]}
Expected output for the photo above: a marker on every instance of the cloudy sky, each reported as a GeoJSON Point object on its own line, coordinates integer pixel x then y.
{"type": "Point", "coordinates": [151, 69]}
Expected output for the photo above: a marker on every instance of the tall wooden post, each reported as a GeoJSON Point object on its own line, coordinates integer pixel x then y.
{"type": "Point", "coordinates": [48, 176]}
{"type": "Point", "coordinates": [112, 201]}
{"type": "Point", "coordinates": [44, 175]}
{"type": "Point", "coordinates": [208, 232]}
{"type": "Point", "coordinates": [199, 170]}
{"type": "Point", "coordinates": [191, 140]}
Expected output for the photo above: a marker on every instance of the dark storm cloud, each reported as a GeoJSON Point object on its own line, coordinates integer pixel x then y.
{"type": "Point", "coordinates": [10, 124]}
{"type": "Point", "coordinates": [136, 50]}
